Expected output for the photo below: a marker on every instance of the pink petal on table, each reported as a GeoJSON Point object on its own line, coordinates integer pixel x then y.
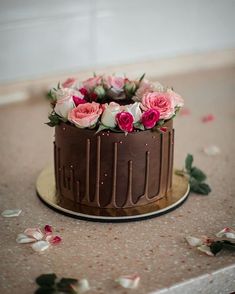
{"type": "Point", "coordinates": [22, 239]}
{"type": "Point", "coordinates": [48, 229]}
{"type": "Point", "coordinates": [40, 246]}
{"type": "Point", "coordinates": [193, 241]}
{"type": "Point", "coordinates": [55, 240]}
{"type": "Point", "coordinates": [211, 150]}
{"type": "Point", "coordinates": [205, 249]}
{"type": "Point", "coordinates": [130, 282]}
{"type": "Point", "coordinates": [226, 232]}
{"type": "Point", "coordinates": [82, 286]}
{"type": "Point", "coordinates": [185, 111]}
{"type": "Point", "coordinates": [208, 118]}
{"type": "Point", "coordinates": [36, 233]}
{"type": "Point", "coordinates": [11, 212]}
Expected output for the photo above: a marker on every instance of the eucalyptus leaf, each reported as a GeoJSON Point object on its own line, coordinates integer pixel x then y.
{"type": "Point", "coordinates": [45, 290]}
{"type": "Point", "coordinates": [228, 245]}
{"type": "Point", "coordinates": [216, 247]}
{"type": "Point", "coordinates": [64, 285]}
{"type": "Point", "coordinates": [189, 162]}
{"type": "Point", "coordinates": [198, 187]}
{"type": "Point", "coordinates": [198, 174]}
{"type": "Point", "coordinates": [46, 280]}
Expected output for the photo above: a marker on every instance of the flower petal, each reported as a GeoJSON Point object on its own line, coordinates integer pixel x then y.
{"type": "Point", "coordinates": [206, 249]}
{"type": "Point", "coordinates": [11, 212]}
{"type": "Point", "coordinates": [226, 232]}
{"type": "Point", "coordinates": [36, 233]}
{"type": "Point", "coordinates": [55, 240]}
{"type": "Point", "coordinates": [22, 238]}
{"type": "Point", "coordinates": [193, 241]}
{"type": "Point", "coordinates": [48, 229]}
{"type": "Point", "coordinates": [130, 282]}
{"type": "Point", "coordinates": [40, 246]}
{"type": "Point", "coordinates": [208, 118]}
{"type": "Point", "coordinates": [82, 286]}
{"type": "Point", "coordinates": [185, 111]}
{"type": "Point", "coordinates": [211, 150]}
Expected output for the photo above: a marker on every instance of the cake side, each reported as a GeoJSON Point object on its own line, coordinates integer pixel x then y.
{"type": "Point", "coordinates": [112, 170]}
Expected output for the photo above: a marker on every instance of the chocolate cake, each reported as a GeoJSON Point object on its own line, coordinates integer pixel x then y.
{"type": "Point", "coordinates": [114, 144]}
{"type": "Point", "coordinates": [112, 170]}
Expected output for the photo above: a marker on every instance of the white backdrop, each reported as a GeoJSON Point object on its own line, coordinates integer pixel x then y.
{"type": "Point", "coordinates": [46, 37]}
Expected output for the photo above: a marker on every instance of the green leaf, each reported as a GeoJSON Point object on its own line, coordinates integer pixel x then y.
{"type": "Point", "coordinates": [189, 162]}
{"type": "Point", "coordinates": [46, 280]}
{"type": "Point", "coordinates": [216, 247]}
{"type": "Point", "coordinates": [197, 174]}
{"type": "Point", "coordinates": [198, 187]}
{"type": "Point", "coordinates": [54, 119]}
{"type": "Point", "coordinates": [64, 285]}
{"type": "Point", "coordinates": [228, 245]}
{"type": "Point", "coordinates": [142, 77]}
{"type": "Point", "coordinates": [139, 126]}
{"type": "Point", "coordinates": [45, 290]}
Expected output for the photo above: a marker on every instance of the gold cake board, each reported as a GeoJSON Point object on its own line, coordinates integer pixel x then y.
{"type": "Point", "coordinates": [45, 187]}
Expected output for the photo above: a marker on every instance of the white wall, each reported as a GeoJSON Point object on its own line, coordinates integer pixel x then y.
{"type": "Point", "coordinates": [54, 36]}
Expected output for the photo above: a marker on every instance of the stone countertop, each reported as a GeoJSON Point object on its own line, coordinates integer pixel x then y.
{"type": "Point", "coordinates": [101, 252]}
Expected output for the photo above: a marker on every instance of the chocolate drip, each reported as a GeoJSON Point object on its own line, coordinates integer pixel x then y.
{"type": "Point", "coordinates": [114, 182]}
{"type": "Point", "coordinates": [87, 187]}
{"type": "Point", "coordinates": [129, 201]}
{"type": "Point", "coordinates": [77, 196]}
{"type": "Point", "coordinates": [97, 184]}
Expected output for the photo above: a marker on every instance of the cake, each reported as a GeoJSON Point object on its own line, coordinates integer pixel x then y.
{"type": "Point", "coordinates": [114, 143]}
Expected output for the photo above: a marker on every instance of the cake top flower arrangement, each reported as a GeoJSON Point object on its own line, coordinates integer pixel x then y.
{"type": "Point", "coordinates": [113, 102]}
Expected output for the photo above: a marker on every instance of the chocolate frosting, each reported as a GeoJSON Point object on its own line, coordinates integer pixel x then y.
{"type": "Point", "coordinates": [112, 170]}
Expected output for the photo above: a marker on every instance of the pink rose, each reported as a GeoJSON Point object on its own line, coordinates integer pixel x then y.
{"type": "Point", "coordinates": [91, 83]}
{"type": "Point", "coordinates": [85, 115]}
{"type": "Point", "coordinates": [69, 83]}
{"type": "Point", "coordinates": [125, 121]}
{"type": "Point", "coordinates": [178, 100]}
{"type": "Point", "coordinates": [144, 87]}
{"type": "Point", "coordinates": [161, 102]}
{"type": "Point", "coordinates": [150, 118]}
{"type": "Point", "coordinates": [115, 82]}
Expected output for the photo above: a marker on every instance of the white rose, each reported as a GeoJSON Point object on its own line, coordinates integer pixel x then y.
{"type": "Point", "coordinates": [109, 114]}
{"type": "Point", "coordinates": [135, 110]}
{"type": "Point", "coordinates": [64, 103]}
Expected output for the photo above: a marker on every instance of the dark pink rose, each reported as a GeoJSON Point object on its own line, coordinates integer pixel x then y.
{"type": "Point", "coordinates": [78, 100]}
{"type": "Point", "coordinates": [83, 91]}
{"type": "Point", "coordinates": [150, 118]}
{"type": "Point", "coordinates": [125, 121]}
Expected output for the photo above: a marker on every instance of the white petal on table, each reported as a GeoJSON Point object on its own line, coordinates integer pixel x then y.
{"type": "Point", "coordinates": [193, 241]}
{"type": "Point", "coordinates": [226, 232]}
{"type": "Point", "coordinates": [82, 286]}
{"type": "Point", "coordinates": [36, 233]}
{"type": "Point", "coordinates": [130, 282]}
{"type": "Point", "coordinates": [211, 150]}
{"type": "Point", "coordinates": [40, 246]}
{"type": "Point", "coordinates": [22, 239]}
{"type": "Point", "coordinates": [11, 212]}
{"type": "Point", "coordinates": [206, 249]}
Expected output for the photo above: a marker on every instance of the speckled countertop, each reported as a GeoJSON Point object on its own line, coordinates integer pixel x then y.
{"type": "Point", "coordinates": [101, 252]}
